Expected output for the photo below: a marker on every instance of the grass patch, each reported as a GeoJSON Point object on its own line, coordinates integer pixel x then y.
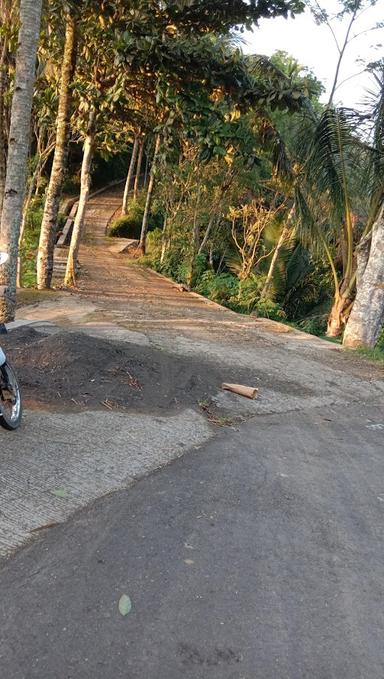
{"type": "Point", "coordinates": [376, 354]}
{"type": "Point", "coordinates": [333, 340]}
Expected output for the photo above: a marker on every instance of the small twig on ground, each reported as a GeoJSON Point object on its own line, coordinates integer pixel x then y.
{"type": "Point", "coordinates": [133, 381]}
{"type": "Point", "coordinates": [108, 404]}
{"type": "Point", "coordinates": [47, 525]}
{"type": "Point", "coordinates": [128, 377]}
{"type": "Point", "coordinates": [218, 420]}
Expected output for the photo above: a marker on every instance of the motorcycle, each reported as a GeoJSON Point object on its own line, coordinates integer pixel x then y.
{"type": "Point", "coordinates": [10, 397]}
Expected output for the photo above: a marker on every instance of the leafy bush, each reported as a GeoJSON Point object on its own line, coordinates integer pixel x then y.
{"type": "Point", "coordinates": [199, 267]}
{"type": "Point", "coordinates": [309, 287]}
{"type": "Point", "coordinates": [218, 287]}
{"type": "Point", "coordinates": [154, 241]}
{"type": "Point", "coordinates": [269, 309]}
{"type": "Point", "coordinates": [129, 225]}
{"type": "Point", "coordinates": [182, 272]}
{"type": "Point", "coordinates": [153, 250]}
{"type": "Point", "coordinates": [248, 293]}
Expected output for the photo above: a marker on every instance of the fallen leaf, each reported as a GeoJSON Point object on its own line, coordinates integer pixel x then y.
{"type": "Point", "coordinates": [125, 604]}
{"type": "Point", "coordinates": [59, 492]}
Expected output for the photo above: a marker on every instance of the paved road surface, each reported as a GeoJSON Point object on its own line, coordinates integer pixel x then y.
{"type": "Point", "coordinates": [258, 557]}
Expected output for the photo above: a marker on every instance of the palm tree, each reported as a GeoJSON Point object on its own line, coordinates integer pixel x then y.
{"type": "Point", "coordinates": [327, 185]}
{"type": "Point", "coordinates": [18, 147]}
{"type": "Point", "coordinates": [367, 315]}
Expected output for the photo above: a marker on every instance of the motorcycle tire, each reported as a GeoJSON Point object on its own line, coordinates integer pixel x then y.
{"type": "Point", "coordinates": [10, 398]}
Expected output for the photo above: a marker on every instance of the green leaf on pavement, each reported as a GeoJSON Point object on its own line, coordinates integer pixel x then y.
{"type": "Point", "coordinates": [125, 604]}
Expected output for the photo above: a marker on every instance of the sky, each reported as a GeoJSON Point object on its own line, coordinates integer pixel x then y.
{"type": "Point", "coordinates": [313, 46]}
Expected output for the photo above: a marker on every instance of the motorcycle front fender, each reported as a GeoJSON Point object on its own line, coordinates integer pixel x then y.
{"type": "Point", "coordinates": [2, 357]}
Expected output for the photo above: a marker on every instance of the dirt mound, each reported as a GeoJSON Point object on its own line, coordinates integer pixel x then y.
{"type": "Point", "coordinates": [76, 371]}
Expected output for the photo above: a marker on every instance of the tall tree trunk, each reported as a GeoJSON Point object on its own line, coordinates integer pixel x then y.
{"type": "Point", "coordinates": [89, 143]}
{"type": "Point", "coordinates": [138, 171]}
{"type": "Point", "coordinates": [166, 238]}
{"type": "Point", "coordinates": [207, 233]}
{"type": "Point", "coordinates": [367, 315]}
{"type": "Point", "coordinates": [342, 303]}
{"type": "Point", "coordinates": [195, 242]}
{"type": "Point", "coordinates": [268, 281]}
{"type": "Point", "coordinates": [18, 147]}
{"type": "Point", "coordinates": [148, 202]}
{"type": "Point", "coordinates": [8, 18]}
{"type": "Point", "coordinates": [3, 151]}
{"type": "Point", "coordinates": [343, 297]}
{"type": "Point", "coordinates": [146, 167]}
{"type": "Point", "coordinates": [338, 315]}
{"type": "Point", "coordinates": [52, 199]}
{"type": "Point", "coordinates": [128, 182]}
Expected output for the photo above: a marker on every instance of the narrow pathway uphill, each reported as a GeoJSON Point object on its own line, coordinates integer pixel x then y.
{"type": "Point", "coordinates": [128, 291]}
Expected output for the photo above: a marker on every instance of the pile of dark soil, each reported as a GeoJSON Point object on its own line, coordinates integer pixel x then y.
{"type": "Point", "coordinates": [73, 370]}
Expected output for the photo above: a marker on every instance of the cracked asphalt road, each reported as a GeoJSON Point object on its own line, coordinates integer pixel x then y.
{"type": "Point", "coordinates": [258, 556]}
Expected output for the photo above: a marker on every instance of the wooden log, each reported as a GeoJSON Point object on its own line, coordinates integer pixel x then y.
{"type": "Point", "coordinates": [241, 389]}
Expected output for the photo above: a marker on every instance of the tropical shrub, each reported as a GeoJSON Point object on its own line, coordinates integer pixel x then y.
{"type": "Point", "coordinates": [129, 225]}
{"type": "Point", "coordinates": [221, 288]}
{"type": "Point", "coordinates": [269, 309]}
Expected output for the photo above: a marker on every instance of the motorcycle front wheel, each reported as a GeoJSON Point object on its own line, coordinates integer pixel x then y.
{"type": "Point", "coordinates": [10, 398]}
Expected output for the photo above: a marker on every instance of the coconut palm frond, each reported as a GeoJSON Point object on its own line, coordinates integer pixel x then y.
{"type": "Point", "coordinates": [306, 227]}
{"type": "Point", "coordinates": [278, 284]}
{"type": "Point", "coordinates": [375, 166]}
{"type": "Point", "coordinates": [310, 231]}
{"type": "Point", "coordinates": [272, 142]}
{"type": "Point", "coordinates": [328, 159]}
{"type": "Point", "coordinates": [298, 266]}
